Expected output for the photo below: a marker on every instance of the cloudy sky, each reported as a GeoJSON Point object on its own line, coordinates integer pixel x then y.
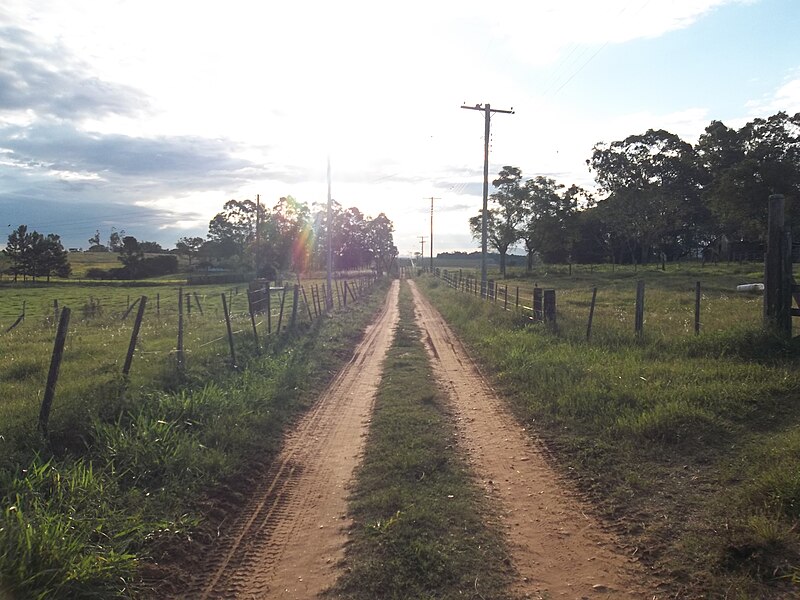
{"type": "Point", "coordinates": [146, 116]}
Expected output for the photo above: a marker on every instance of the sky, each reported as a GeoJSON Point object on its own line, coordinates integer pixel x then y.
{"type": "Point", "coordinates": [147, 116]}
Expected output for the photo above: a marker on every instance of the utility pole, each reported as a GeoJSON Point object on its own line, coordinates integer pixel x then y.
{"type": "Point", "coordinates": [258, 236]}
{"type": "Point", "coordinates": [421, 247]}
{"type": "Point", "coordinates": [330, 237]}
{"type": "Point", "coordinates": [431, 246]}
{"type": "Point", "coordinates": [487, 112]}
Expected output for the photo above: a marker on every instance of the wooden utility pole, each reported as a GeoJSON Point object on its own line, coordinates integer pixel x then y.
{"type": "Point", "coordinates": [431, 245]}
{"type": "Point", "coordinates": [258, 237]}
{"type": "Point", "coordinates": [422, 248]}
{"type": "Point", "coordinates": [487, 112]}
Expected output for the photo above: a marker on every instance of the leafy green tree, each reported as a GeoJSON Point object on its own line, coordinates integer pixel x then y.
{"type": "Point", "coordinates": [131, 256]}
{"type": "Point", "coordinates": [189, 247]}
{"type": "Point", "coordinates": [504, 218]}
{"type": "Point", "coordinates": [380, 240]}
{"type": "Point", "coordinates": [51, 257]}
{"type": "Point", "coordinates": [34, 255]}
{"type": "Point", "coordinates": [233, 230]}
{"type": "Point", "coordinates": [654, 183]}
{"type": "Point", "coordinates": [17, 249]}
{"type": "Point", "coordinates": [745, 167]}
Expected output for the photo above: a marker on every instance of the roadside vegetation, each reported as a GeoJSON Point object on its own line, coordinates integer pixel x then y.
{"type": "Point", "coordinates": [689, 445]}
{"type": "Point", "coordinates": [422, 527]}
{"type": "Point", "coordinates": [126, 486]}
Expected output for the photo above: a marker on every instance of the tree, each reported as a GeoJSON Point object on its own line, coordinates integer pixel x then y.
{"type": "Point", "coordinates": [34, 255]}
{"type": "Point", "coordinates": [380, 241]}
{"type": "Point", "coordinates": [51, 257]}
{"type": "Point", "coordinates": [95, 239]}
{"type": "Point", "coordinates": [115, 240]}
{"type": "Point", "coordinates": [503, 220]}
{"type": "Point", "coordinates": [151, 247]}
{"type": "Point", "coordinates": [131, 256]}
{"type": "Point", "coordinates": [744, 167]}
{"type": "Point", "coordinates": [17, 249]}
{"type": "Point", "coordinates": [234, 229]}
{"type": "Point", "coordinates": [654, 184]}
{"type": "Point", "coordinates": [189, 247]}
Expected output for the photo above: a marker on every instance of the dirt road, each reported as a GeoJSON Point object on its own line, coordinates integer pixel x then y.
{"type": "Point", "coordinates": [289, 539]}
{"type": "Point", "coordinates": [559, 550]}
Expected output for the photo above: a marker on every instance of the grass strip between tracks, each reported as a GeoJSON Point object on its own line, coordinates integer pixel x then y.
{"type": "Point", "coordinates": [422, 528]}
{"type": "Point", "coordinates": [133, 505]}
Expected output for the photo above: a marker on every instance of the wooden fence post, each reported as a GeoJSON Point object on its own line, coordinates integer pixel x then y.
{"type": "Point", "coordinates": [230, 331]}
{"type": "Point", "coordinates": [517, 300]}
{"type": "Point", "coordinates": [130, 308]}
{"type": "Point", "coordinates": [295, 298]}
{"type": "Point", "coordinates": [200, 306]}
{"type": "Point", "coordinates": [697, 308]}
{"type": "Point", "coordinates": [591, 314]}
{"type": "Point", "coordinates": [283, 303]}
{"type": "Point", "coordinates": [537, 304]}
{"type": "Point", "coordinates": [505, 297]}
{"type": "Point", "coordinates": [158, 304]}
{"type": "Point", "coordinates": [344, 294]}
{"type": "Point", "coordinates": [52, 375]}
{"type": "Point", "coordinates": [126, 368]}
{"type": "Point", "coordinates": [253, 321]}
{"type": "Point", "coordinates": [188, 297]}
{"type": "Point", "coordinates": [55, 311]}
{"type": "Point", "coordinates": [639, 314]}
{"type": "Point", "coordinates": [549, 297]}
{"type": "Point", "coordinates": [778, 271]}
{"type": "Point", "coordinates": [179, 349]}
{"type": "Point", "coordinates": [308, 308]}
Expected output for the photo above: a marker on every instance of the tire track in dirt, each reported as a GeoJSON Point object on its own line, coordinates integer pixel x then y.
{"type": "Point", "coordinates": [559, 550]}
{"type": "Point", "coordinates": [288, 540]}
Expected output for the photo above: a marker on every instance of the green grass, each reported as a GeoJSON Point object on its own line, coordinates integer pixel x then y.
{"type": "Point", "coordinates": [422, 528]}
{"type": "Point", "coordinates": [126, 480]}
{"type": "Point", "coordinates": [687, 443]}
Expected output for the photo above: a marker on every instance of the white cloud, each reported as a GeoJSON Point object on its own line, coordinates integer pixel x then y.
{"type": "Point", "coordinates": [784, 98]}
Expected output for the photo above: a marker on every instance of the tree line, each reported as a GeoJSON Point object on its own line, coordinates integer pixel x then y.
{"type": "Point", "coordinates": [658, 197]}
{"type": "Point", "coordinates": [245, 237]}
{"type": "Point", "coordinates": [248, 235]}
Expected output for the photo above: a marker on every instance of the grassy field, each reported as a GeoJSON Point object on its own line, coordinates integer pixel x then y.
{"type": "Point", "coordinates": [689, 444]}
{"type": "Point", "coordinates": [122, 478]}
{"type": "Point", "coordinates": [421, 526]}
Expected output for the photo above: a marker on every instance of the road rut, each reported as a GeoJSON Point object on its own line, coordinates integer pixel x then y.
{"type": "Point", "coordinates": [291, 535]}
{"type": "Point", "coordinates": [558, 548]}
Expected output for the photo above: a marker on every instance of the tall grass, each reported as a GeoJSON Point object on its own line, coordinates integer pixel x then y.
{"type": "Point", "coordinates": [687, 442]}
{"type": "Point", "coordinates": [124, 476]}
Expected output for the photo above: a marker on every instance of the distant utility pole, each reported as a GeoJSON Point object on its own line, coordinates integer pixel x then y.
{"type": "Point", "coordinates": [432, 199]}
{"type": "Point", "coordinates": [487, 112]}
{"type": "Point", "coordinates": [258, 237]}
{"type": "Point", "coordinates": [422, 247]}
